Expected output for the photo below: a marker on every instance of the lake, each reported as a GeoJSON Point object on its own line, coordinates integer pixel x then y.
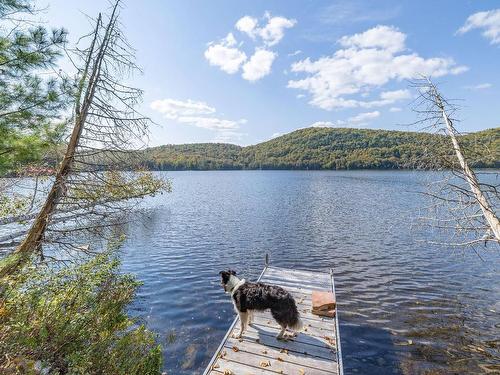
{"type": "Point", "coordinates": [405, 306]}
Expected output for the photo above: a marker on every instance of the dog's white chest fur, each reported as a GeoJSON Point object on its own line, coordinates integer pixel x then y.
{"type": "Point", "coordinates": [234, 284]}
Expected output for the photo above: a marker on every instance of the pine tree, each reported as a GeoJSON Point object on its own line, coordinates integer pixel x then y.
{"type": "Point", "coordinates": [32, 93]}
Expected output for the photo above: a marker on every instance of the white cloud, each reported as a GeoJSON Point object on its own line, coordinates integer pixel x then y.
{"type": "Point", "coordinates": [230, 58]}
{"type": "Point", "coordinates": [297, 52]}
{"type": "Point", "coordinates": [270, 34]}
{"type": "Point", "coordinates": [323, 124]}
{"type": "Point", "coordinates": [341, 12]}
{"type": "Point", "coordinates": [395, 109]}
{"type": "Point", "coordinates": [247, 25]}
{"type": "Point", "coordinates": [481, 86]}
{"type": "Point", "coordinates": [225, 55]}
{"type": "Point", "coordinates": [363, 117]}
{"type": "Point", "coordinates": [357, 120]}
{"type": "Point", "coordinates": [211, 123]}
{"type": "Point", "coordinates": [274, 31]}
{"type": "Point", "coordinates": [229, 136]}
{"type": "Point", "coordinates": [259, 65]}
{"type": "Point", "coordinates": [386, 98]}
{"type": "Point", "coordinates": [172, 108]}
{"type": "Point", "coordinates": [368, 61]}
{"type": "Point", "coordinates": [277, 134]}
{"type": "Point", "coordinates": [384, 37]}
{"type": "Point", "coordinates": [200, 115]}
{"type": "Point", "coordinates": [393, 96]}
{"type": "Point", "coordinates": [488, 21]}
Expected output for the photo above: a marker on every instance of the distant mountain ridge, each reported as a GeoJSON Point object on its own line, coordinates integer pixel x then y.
{"type": "Point", "coordinates": [328, 148]}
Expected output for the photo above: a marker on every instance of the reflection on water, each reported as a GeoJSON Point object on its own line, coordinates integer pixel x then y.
{"type": "Point", "coordinates": [406, 307]}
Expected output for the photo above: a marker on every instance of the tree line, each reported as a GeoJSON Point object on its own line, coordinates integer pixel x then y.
{"type": "Point", "coordinates": [328, 148]}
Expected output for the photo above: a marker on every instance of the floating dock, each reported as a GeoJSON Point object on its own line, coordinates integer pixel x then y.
{"type": "Point", "coordinates": [315, 350]}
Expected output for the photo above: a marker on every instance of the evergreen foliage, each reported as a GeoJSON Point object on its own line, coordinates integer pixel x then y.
{"type": "Point", "coordinates": [30, 106]}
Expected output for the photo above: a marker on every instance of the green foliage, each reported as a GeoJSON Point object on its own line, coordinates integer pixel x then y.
{"type": "Point", "coordinates": [73, 321]}
{"type": "Point", "coordinates": [328, 148]}
{"type": "Point", "coordinates": [117, 186]}
{"type": "Point", "coordinates": [30, 106]}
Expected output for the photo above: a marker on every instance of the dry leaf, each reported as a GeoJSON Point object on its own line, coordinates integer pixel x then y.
{"type": "Point", "coordinates": [228, 372]}
{"type": "Point", "coordinates": [215, 366]}
{"type": "Point", "coordinates": [265, 363]}
{"type": "Point", "coordinates": [280, 359]}
{"type": "Point", "coordinates": [235, 349]}
{"type": "Point", "coordinates": [301, 371]}
{"type": "Point", "coordinates": [264, 352]}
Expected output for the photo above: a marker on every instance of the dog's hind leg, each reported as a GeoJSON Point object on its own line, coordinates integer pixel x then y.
{"type": "Point", "coordinates": [281, 334]}
{"type": "Point", "coordinates": [293, 333]}
{"type": "Point", "coordinates": [250, 317]}
{"type": "Point", "coordinates": [243, 323]}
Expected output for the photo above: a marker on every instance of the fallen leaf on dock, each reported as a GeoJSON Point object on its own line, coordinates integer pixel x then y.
{"type": "Point", "coordinates": [264, 352]}
{"type": "Point", "coordinates": [228, 372]}
{"type": "Point", "coordinates": [280, 359]}
{"type": "Point", "coordinates": [265, 363]}
{"type": "Point", "coordinates": [301, 372]}
{"type": "Point", "coordinates": [235, 349]}
{"type": "Point", "coordinates": [330, 340]}
{"type": "Point", "coordinates": [215, 366]}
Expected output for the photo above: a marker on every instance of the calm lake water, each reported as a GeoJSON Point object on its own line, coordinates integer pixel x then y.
{"type": "Point", "coordinates": [406, 307]}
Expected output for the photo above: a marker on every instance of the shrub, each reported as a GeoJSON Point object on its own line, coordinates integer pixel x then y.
{"type": "Point", "coordinates": [73, 320]}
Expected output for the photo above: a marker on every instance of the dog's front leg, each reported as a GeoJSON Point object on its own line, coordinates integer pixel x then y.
{"type": "Point", "coordinates": [243, 323]}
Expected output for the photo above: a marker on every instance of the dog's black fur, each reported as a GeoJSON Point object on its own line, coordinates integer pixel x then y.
{"type": "Point", "coordinates": [261, 296]}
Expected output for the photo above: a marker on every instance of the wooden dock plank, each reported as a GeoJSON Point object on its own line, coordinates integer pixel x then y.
{"type": "Point", "coordinates": [315, 350]}
{"type": "Point", "coordinates": [286, 355]}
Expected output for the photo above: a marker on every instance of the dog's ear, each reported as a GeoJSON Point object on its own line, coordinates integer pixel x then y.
{"type": "Point", "coordinates": [232, 272]}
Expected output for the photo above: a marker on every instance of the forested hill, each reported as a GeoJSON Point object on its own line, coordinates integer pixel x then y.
{"type": "Point", "coordinates": [328, 148]}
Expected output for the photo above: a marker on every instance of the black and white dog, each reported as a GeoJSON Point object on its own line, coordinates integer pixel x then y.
{"type": "Point", "coordinates": [248, 297]}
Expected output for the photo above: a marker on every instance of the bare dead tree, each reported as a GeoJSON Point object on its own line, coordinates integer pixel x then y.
{"type": "Point", "coordinates": [462, 202]}
{"type": "Point", "coordinates": [89, 193]}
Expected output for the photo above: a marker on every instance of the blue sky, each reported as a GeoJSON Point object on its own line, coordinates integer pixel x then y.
{"type": "Point", "coordinates": [244, 72]}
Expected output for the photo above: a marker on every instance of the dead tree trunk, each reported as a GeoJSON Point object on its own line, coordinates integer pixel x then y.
{"type": "Point", "coordinates": [471, 203]}
{"type": "Point", "coordinates": [470, 176]}
{"type": "Point", "coordinates": [86, 89]}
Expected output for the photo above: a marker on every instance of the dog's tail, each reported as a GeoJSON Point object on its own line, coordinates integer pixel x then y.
{"type": "Point", "coordinates": [297, 324]}
{"type": "Point", "coordinates": [295, 321]}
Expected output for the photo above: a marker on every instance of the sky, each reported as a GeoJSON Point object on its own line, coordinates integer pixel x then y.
{"type": "Point", "coordinates": [244, 72]}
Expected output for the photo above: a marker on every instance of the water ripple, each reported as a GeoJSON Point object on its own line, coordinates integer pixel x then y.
{"type": "Point", "coordinates": [406, 307]}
